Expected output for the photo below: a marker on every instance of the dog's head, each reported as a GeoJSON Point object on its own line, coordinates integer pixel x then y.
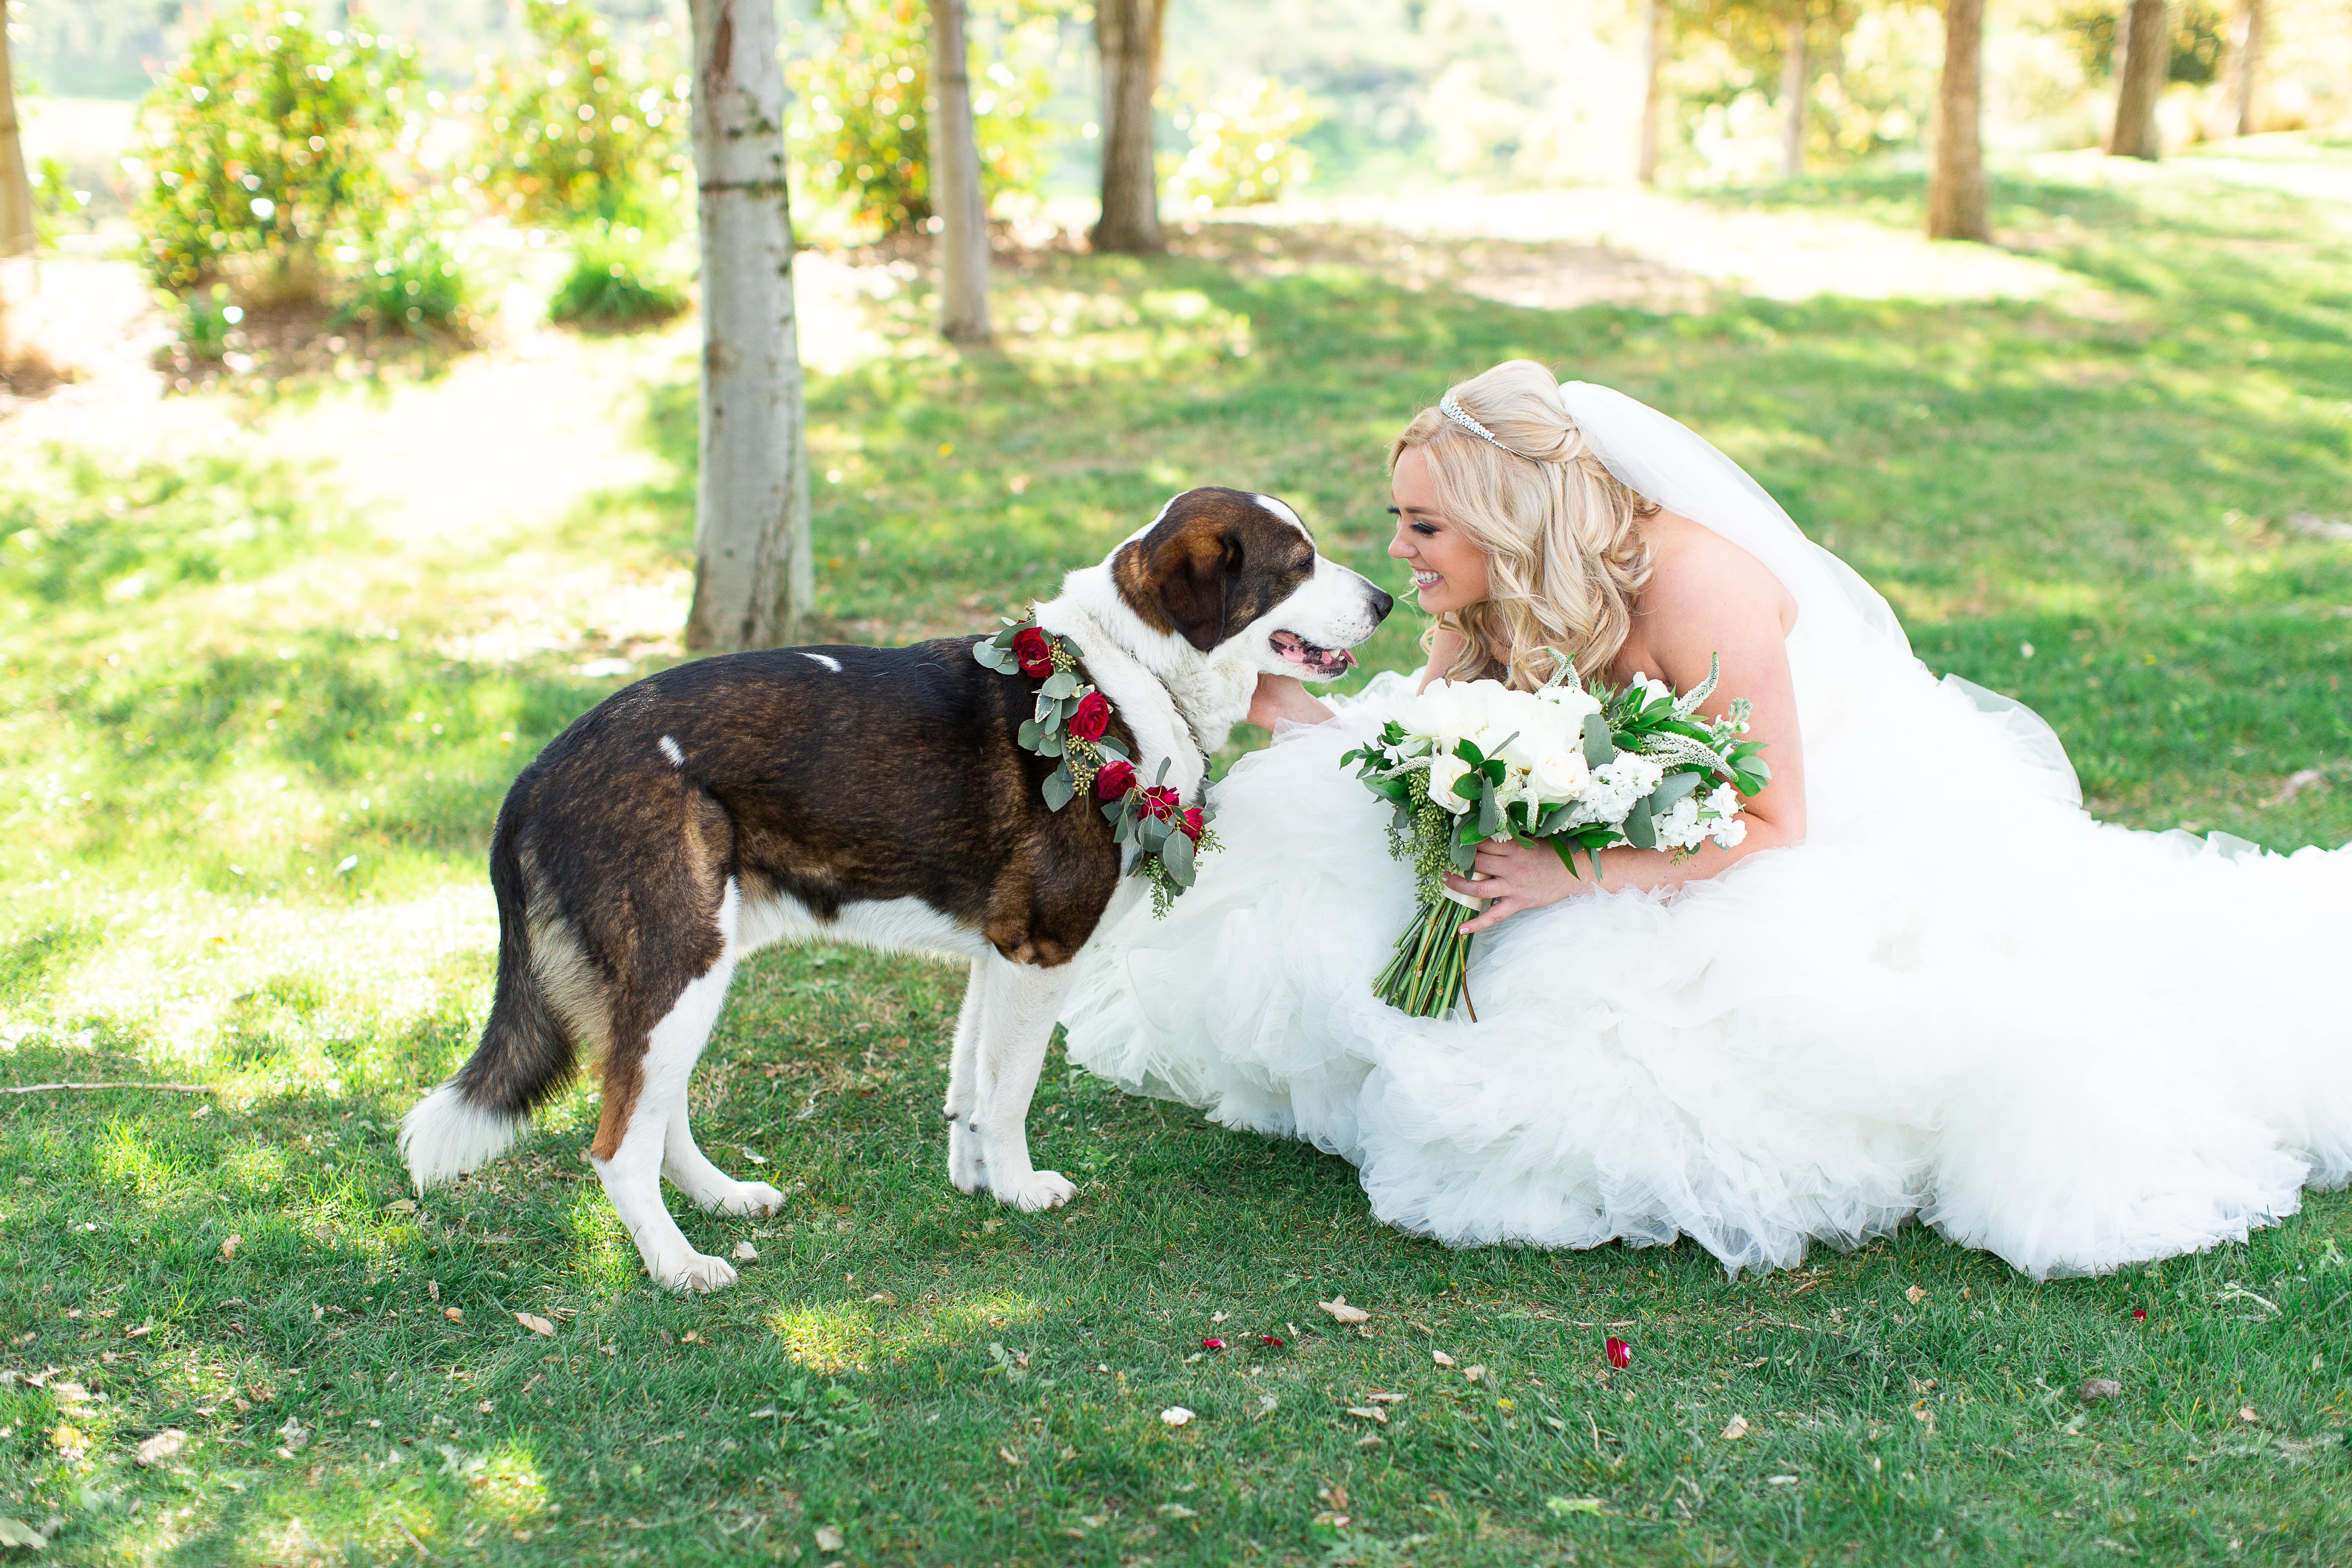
{"type": "Point", "coordinates": [1237, 576]}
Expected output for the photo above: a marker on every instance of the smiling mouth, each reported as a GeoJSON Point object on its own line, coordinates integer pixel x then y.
{"type": "Point", "coordinates": [1427, 579]}
{"type": "Point", "coordinates": [1323, 663]}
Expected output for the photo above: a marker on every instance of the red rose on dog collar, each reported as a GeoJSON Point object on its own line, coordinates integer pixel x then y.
{"type": "Point", "coordinates": [1115, 780]}
{"type": "Point", "coordinates": [1092, 717]}
{"type": "Point", "coordinates": [1161, 802]}
{"type": "Point", "coordinates": [1191, 824]}
{"type": "Point", "coordinates": [1033, 652]}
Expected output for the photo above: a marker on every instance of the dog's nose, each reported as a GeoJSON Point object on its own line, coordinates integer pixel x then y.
{"type": "Point", "coordinates": [1381, 605]}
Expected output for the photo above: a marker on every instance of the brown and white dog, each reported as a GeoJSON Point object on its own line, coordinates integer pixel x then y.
{"type": "Point", "coordinates": [874, 796]}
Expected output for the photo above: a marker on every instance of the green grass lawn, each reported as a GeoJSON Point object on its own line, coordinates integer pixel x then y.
{"type": "Point", "coordinates": [243, 804]}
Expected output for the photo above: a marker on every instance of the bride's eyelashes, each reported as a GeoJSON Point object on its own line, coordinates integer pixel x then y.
{"type": "Point", "coordinates": [1426, 530]}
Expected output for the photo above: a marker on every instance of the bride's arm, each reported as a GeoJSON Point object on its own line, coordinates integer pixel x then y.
{"type": "Point", "coordinates": [1732, 607]}
{"type": "Point", "coordinates": [1279, 697]}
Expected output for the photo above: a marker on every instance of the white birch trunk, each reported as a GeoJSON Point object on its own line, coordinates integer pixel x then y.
{"type": "Point", "coordinates": [17, 236]}
{"type": "Point", "coordinates": [955, 182]}
{"type": "Point", "coordinates": [1653, 60]}
{"type": "Point", "coordinates": [1793, 77]}
{"type": "Point", "coordinates": [2244, 75]}
{"type": "Point", "coordinates": [753, 579]}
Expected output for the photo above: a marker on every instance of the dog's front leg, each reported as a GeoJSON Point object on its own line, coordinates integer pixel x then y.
{"type": "Point", "coordinates": [965, 1167]}
{"type": "Point", "coordinates": [1017, 1025]}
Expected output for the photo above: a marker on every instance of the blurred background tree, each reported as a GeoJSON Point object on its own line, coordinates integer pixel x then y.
{"type": "Point", "coordinates": [861, 103]}
{"type": "Point", "coordinates": [586, 133]}
{"type": "Point", "coordinates": [1244, 148]}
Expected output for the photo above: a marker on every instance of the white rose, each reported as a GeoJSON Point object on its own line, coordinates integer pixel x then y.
{"type": "Point", "coordinates": [1729, 832]}
{"type": "Point", "coordinates": [1572, 702]}
{"type": "Point", "coordinates": [1444, 770]}
{"type": "Point", "coordinates": [1559, 776]}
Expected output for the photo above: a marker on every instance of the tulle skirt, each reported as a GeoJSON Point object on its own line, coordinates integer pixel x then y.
{"type": "Point", "coordinates": [2074, 1045]}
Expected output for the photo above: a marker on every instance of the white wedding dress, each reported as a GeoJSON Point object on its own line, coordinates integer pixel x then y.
{"type": "Point", "coordinates": [2074, 1045]}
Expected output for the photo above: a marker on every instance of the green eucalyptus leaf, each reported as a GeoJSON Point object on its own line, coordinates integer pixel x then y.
{"type": "Point", "coordinates": [1027, 735]}
{"type": "Point", "coordinates": [1060, 787]}
{"type": "Point", "coordinates": [1059, 684]}
{"type": "Point", "coordinates": [1600, 748]}
{"type": "Point", "coordinates": [1641, 829]}
{"type": "Point", "coordinates": [1177, 856]}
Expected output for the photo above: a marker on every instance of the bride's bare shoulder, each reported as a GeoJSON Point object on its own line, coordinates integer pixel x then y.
{"type": "Point", "coordinates": [1696, 571]}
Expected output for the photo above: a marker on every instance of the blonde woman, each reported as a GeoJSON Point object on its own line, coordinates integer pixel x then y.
{"type": "Point", "coordinates": [1925, 984]}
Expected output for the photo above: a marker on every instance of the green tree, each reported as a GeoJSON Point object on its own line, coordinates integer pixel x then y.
{"type": "Point", "coordinates": [583, 131]}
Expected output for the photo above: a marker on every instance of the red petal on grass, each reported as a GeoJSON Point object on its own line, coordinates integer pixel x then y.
{"type": "Point", "coordinates": [1213, 1344]}
{"type": "Point", "coordinates": [2139, 1314]}
{"type": "Point", "coordinates": [1620, 1354]}
{"type": "Point", "coordinates": [1274, 1340]}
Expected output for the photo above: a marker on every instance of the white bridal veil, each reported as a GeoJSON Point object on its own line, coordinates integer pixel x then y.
{"type": "Point", "coordinates": [1859, 641]}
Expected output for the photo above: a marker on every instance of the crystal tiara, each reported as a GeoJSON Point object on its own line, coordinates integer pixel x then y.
{"type": "Point", "coordinates": [1452, 410]}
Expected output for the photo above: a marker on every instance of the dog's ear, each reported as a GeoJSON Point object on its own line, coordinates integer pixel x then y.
{"type": "Point", "coordinates": [1179, 576]}
{"type": "Point", "coordinates": [1196, 572]}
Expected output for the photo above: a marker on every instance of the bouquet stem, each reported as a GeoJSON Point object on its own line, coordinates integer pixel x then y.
{"type": "Point", "coordinates": [1433, 959]}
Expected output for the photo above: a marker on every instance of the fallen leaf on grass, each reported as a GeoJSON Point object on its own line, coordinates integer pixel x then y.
{"type": "Point", "coordinates": [1475, 1374]}
{"type": "Point", "coordinates": [400, 1205]}
{"type": "Point", "coordinates": [1441, 1358]}
{"type": "Point", "coordinates": [1267, 1404]}
{"type": "Point", "coordinates": [140, 1332]}
{"type": "Point", "coordinates": [1916, 1295]}
{"type": "Point", "coordinates": [1385, 1398]}
{"type": "Point", "coordinates": [162, 1445]}
{"type": "Point", "coordinates": [1175, 1415]}
{"type": "Point", "coordinates": [1374, 1441]}
{"type": "Point", "coordinates": [2246, 1414]}
{"type": "Point", "coordinates": [1734, 1429]}
{"type": "Point", "coordinates": [1342, 1313]}
{"type": "Point", "coordinates": [755, 1159]}
{"type": "Point", "coordinates": [1218, 1317]}
{"type": "Point", "coordinates": [1176, 1510]}
{"type": "Point", "coordinates": [17, 1533]}
{"type": "Point", "coordinates": [746, 1253]}
{"type": "Point", "coordinates": [228, 1249]}
{"type": "Point", "coordinates": [829, 1539]}
{"type": "Point", "coordinates": [1370, 1413]}
{"type": "Point", "coordinates": [2095, 1389]}
{"type": "Point", "coordinates": [1008, 1455]}
{"type": "Point", "coordinates": [1780, 1480]}
{"type": "Point", "coordinates": [1331, 1521]}
{"type": "Point", "coordinates": [537, 1325]}
{"type": "Point", "coordinates": [692, 1337]}
{"type": "Point", "coordinates": [1562, 1507]}
{"type": "Point", "coordinates": [455, 1314]}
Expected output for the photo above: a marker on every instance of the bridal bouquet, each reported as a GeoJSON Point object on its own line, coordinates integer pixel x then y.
{"type": "Point", "coordinates": [1470, 763]}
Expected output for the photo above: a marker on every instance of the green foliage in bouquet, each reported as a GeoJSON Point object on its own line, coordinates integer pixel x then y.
{"type": "Point", "coordinates": [861, 107]}
{"type": "Point", "coordinates": [582, 131]}
{"type": "Point", "coordinates": [266, 153]}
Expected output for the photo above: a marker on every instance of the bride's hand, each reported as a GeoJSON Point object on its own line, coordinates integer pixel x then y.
{"type": "Point", "coordinates": [1282, 696]}
{"type": "Point", "coordinates": [1516, 877]}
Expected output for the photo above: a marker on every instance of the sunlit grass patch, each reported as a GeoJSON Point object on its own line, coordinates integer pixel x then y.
{"type": "Point", "coordinates": [827, 1339]}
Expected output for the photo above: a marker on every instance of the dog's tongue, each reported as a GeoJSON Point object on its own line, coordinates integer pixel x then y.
{"type": "Point", "coordinates": [1324, 661]}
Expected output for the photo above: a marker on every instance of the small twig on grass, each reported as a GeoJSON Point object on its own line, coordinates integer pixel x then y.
{"type": "Point", "coordinates": [48, 1087]}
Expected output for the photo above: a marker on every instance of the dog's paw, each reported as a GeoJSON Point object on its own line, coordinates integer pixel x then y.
{"type": "Point", "coordinates": [694, 1274]}
{"type": "Point", "coordinates": [966, 1169]}
{"type": "Point", "coordinates": [1040, 1190]}
{"type": "Point", "coordinates": [746, 1197]}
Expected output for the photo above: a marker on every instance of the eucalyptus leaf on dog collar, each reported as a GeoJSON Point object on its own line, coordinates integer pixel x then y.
{"type": "Point", "coordinates": [1072, 722]}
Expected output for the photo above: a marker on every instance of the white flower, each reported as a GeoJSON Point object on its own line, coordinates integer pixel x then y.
{"type": "Point", "coordinates": [1444, 769]}
{"type": "Point", "coordinates": [1680, 827]}
{"type": "Point", "coordinates": [1729, 832]}
{"type": "Point", "coordinates": [1559, 775]}
{"type": "Point", "coordinates": [1653, 691]}
{"type": "Point", "coordinates": [1572, 702]}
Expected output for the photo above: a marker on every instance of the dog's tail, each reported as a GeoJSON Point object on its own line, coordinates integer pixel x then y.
{"type": "Point", "coordinates": [526, 1053]}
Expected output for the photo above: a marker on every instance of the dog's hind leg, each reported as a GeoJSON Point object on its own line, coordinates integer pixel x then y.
{"type": "Point", "coordinates": [965, 1167]}
{"type": "Point", "coordinates": [1017, 1025]}
{"type": "Point", "coordinates": [643, 1101]}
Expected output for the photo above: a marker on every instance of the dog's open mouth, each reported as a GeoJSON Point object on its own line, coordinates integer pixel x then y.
{"type": "Point", "coordinates": [1322, 663]}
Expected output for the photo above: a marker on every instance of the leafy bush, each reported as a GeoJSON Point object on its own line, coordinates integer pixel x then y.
{"type": "Point", "coordinates": [584, 130]}
{"type": "Point", "coordinates": [414, 280]}
{"type": "Point", "coordinates": [93, 530]}
{"type": "Point", "coordinates": [615, 281]}
{"type": "Point", "coordinates": [267, 147]}
{"type": "Point", "coordinates": [1244, 148]}
{"type": "Point", "coordinates": [860, 127]}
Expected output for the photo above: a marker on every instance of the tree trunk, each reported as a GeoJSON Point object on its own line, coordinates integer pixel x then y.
{"type": "Point", "coordinates": [1653, 60]}
{"type": "Point", "coordinates": [955, 183]}
{"type": "Point", "coordinates": [2148, 65]}
{"type": "Point", "coordinates": [1957, 192]}
{"type": "Point", "coordinates": [753, 579]}
{"type": "Point", "coordinates": [2244, 75]}
{"type": "Point", "coordinates": [1129, 33]}
{"type": "Point", "coordinates": [17, 236]}
{"type": "Point", "coordinates": [1794, 76]}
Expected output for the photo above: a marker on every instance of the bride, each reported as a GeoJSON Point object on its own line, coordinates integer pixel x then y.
{"type": "Point", "coordinates": [1925, 984]}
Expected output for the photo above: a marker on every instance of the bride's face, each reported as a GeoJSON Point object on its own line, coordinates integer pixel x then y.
{"type": "Point", "coordinates": [1449, 570]}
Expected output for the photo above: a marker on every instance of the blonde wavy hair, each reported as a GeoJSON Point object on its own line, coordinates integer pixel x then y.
{"type": "Point", "coordinates": [1565, 555]}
